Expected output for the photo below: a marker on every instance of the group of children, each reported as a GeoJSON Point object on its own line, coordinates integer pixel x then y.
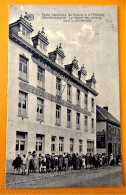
{"type": "Point", "coordinates": [50, 163]}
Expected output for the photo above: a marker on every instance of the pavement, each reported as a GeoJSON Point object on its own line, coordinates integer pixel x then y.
{"type": "Point", "coordinates": [104, 176]}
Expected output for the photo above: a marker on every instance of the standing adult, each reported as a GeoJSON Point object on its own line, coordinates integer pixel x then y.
{"type": "Point", "coordinates": [28, 159]}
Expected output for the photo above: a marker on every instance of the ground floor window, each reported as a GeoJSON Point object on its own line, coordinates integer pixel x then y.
{"type": "Point", "coordinates": [80, 146]}
{"type": "Point", "coordinates": [53, 144]}
{"type": "Point", "coordinates": [71, 145]}
{"type": "Point", "coordinates": [90, 146]}
{"type": "Point", "coordinates": [61, 144]}
{"type": "Point", "coordinates": [39, 142]}
{"type": "Point", "coordinates": [21, 141]}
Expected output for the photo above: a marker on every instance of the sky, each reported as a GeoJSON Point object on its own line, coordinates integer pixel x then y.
{"type": "Point", "coordinates": [93, 42]}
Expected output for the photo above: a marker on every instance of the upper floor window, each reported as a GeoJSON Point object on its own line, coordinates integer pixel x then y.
{"type": "Point", "coordinates": [69, 92]}
{"type": "Point", "coordinates": [22, 104]}
{"type": "Point", "coordinates": [78, 97]}
{"type": "Point", "coordinates": [25, 32]}
{"type": "Point", "coordinates": [58, 115]}
{"type": "Point", "coordinates": [68, 118]}
{"type": "Point", "coordinates": [58, 86]}
{"type": "Point", "coordinates": [92, 104]}
{"type": "Point", "coordinates": [78, 120]}
{"type": "Point", "coordinates": [92, 125]}
{"type": "Point", "coordinates": [40, 109]}
{"type": "Point", "coordinates": [41, 77]}
{"type": "Point", "coordinates": [86, 101]}
{"type": "Point", "coordinates": [86, 123]}
{"type": "Point", "coordinates": [23, 67]}
{"type": "Point", "coordinates": [42, 45]}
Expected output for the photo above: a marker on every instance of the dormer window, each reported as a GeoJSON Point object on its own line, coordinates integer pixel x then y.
{"type": "Point", "coordinates": [25, 32]}
{"type": "Point", "coordinates": [40, 41]}
{"type": "Point", "coordinates": [57, 55]}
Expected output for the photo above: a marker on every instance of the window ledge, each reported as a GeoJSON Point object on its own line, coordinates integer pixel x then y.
{"type": "Point", "coordinates": [57, 124]}
{"type": "Point", "coordinates": [69, 127]}
{"type": "Point", "coordinates": [69, 101]}
{"type": "Point", "coordinates": [23, 79]}
{"type": "Point", "coordinates": [58, 96]}
{"type": "Point", "coordinates": [40, 87]}
{"type": "Point", "coordinates": [78, 105]}
{"type": "Point", "coordinates": [22, 116]}
{"type": "Point", "coordinates": [40, 120]}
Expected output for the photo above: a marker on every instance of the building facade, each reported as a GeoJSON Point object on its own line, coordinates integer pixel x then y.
{"type": "Point", "coordinates": [51, 106]}
{"type": "Point", "coordinates": [107, 132]}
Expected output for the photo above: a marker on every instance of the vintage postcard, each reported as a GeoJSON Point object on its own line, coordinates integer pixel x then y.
{"type": "Point", "coordinates": [63, 112]}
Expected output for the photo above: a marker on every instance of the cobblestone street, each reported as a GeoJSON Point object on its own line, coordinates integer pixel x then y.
{"type": "Point", "coordinates": [109, 176]}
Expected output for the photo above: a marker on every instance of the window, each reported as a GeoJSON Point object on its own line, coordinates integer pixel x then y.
{"type": "Point", "coordinates": [80, 146]}
{"type": "Point", "coordinates": [42, 45]}
{"type": "Point", "coordinates": [92, 104]}
{"type": "Point", "coordinates": [22, 104]}
{"type": "Point", "coordinates": [92, 125]}
{"type": "Point", "coordinates": [25, 32]}
{"type": "Point", "coordinates": [86, 123]}
{"type": "Point", "coordinates": [61, 145]}
{"type": "Point", "coordinates": [78, 120]}
{"type": "Point", "coordinates": [21, 138]}
{"type": "Point", "coordinates": [23, 68]}
{"type": "Point", "coordinates": [78, 97]}
{"type": "Point", "coordinates": [68, 118]}
{"type": "Point", "coordinates": [58, 115]}
{"type": "Point", "coordinates": [86, 101]}
{"type": "Point", "coordinates": [53, 143]}
{"type": "Point", "coordinates": [41, 77]}
{"type": "Point", "coordinates": [60, 59]}
{"type": "Point", "coordinates": [40, 109]}
{"type": "Point", "coordinates": [69, 92]}
{"type": "Point", "coordinates": [39, 142]}
{"type": "Point", "coordinates": [71, 145]}
{"type": "Point", "coordinates": [58, 87]}
{"type": "Point", "coordinates": [90, 146]}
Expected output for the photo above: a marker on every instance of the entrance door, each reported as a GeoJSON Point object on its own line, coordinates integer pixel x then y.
{"type": "Point", "coordinates": [109, 147]}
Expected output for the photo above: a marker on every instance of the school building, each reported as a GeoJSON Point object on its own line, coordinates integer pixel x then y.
{"type": "Point", "coordinates": [51, 105]}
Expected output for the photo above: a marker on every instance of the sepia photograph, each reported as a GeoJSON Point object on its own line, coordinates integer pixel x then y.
{"type": "Point", "coordinates": [63, 103]}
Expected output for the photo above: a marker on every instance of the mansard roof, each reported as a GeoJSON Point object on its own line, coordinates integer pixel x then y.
{"type": "Point", "coordinates": [103, 115]}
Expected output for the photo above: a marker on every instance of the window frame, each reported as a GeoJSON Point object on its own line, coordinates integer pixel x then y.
{"type": "Point", "coordinates": [90, 146]}
{"type": "Point", "coordinates": [86, 123]}
{"type": "Point", "coordinates": [58, 86]}
{"type": "Point", "coordinates": [58, 114]}
{"type": "Point", "coordinates": [71, 144]}
{"type": "Point", "coordinates": [78, 92]}
{"type": "Point", "coordinates": [69, 117]}
{"type": "Point", "coordinates": [92, 104]}
{"type": "Point", "coordinates": [53, 144]}
{"type": "Point", "coordinates": [86, 101]}
{"type": "Point", "coordinates": [23, 112]}
{"type": "Point", "coordinates": [40, 77]}
{"type": "Point", "coordinates": [92, 125]}
{"type": "Point", "coordinates": [77, 120]}
{"type": "Point", "coordinates": [69, 93]}
{"type": "Point", "coordinates": [40, 105]}
{"type": "Point", "coordinates": [23, 68]}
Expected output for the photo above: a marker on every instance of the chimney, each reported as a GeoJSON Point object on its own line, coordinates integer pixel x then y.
{"type": "Point", "coordinates": [106, 108]}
